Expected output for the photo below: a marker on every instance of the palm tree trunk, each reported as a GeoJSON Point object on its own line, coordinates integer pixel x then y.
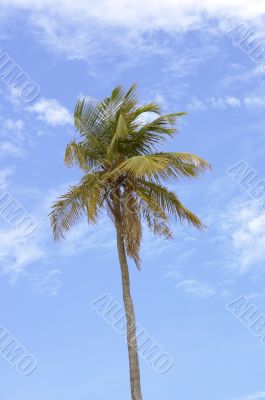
{"type": "Point", "coordinates": [130, 317]}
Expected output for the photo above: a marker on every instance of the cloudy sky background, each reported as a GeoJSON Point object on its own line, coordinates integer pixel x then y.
{"type": "Point", "coordinates": [182, 56]}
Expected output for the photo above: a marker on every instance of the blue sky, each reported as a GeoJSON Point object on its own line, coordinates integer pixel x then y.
{"type": "Point", "coordinates": [182, 55]}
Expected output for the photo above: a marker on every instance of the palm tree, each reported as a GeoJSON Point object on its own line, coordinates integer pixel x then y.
{"type": "Point", "coordinates": [124, 173]}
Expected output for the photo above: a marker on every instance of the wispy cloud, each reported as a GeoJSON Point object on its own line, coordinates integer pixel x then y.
{"type": "Point", "coordinates": [256, 396]}
{"type": "Point", "coordinates": [239, 75]}
{"type": "Point", "coordinates": [5, 173]}
{"type": "Point", "coordinates": [224, 102]}
{"type": "Point", "coordinates": [15, 125]}
{"type": "Point", "coordinates": [196, 288]}
{"type": "Point", "coordinates": [244, 227]}
{"type": "Point", "coordinates": [255, 101]}
{"type": "Point", "coordinates": [251, 102]}
{"type": "Point", "coordinates": [18, 252]}
{"type": "Point", "coordinates": [131, 27]}
{"type": "Point", "coordinates": [39, 260]}
{"type": "Point", "coordinates": [175, 15]}
{"type": "Point", "coordinates": [45, 281]}
{"type": "Point", "coordinates": [12, 137]}
{"type": "Point", "coordinates": [197, 105]}
{"type": "Point", "coordinates": [8, 148]}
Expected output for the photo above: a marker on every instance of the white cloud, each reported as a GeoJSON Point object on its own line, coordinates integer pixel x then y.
{"type": "Point", "coordinates": [12, 134]}
{"type": "Point", "coordinates": [233, 101]}
{"type": "Point", "coordinates": [196, 288]}
{"type": "Point", "coordinates": [17, 252]}
{"type": "Point", "coordinates": [224, 102]}
{"type": "Point", "coordinates": [257, 396]}
{"type": "Point", "coordinates": [51, 111]}
{"type": "Point", "coordinates": [12, 128]}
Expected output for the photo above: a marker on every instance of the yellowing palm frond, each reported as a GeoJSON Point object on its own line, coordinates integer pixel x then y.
{"type": "Point", "coordinates": [168, 201]}
{"type": "Point", "coordinates": [77, 154]}
{"type": "Point", "coordinates": [81, 199]}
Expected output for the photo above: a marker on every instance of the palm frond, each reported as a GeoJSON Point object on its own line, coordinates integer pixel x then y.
{"type": "Point", "coordinates": [77, 154]}
{"type": "Point", "coordinates": [121, 131]}
{"type": "Point", "coordinates": [147, 108]}
{"type": "Point", "coordinates": [168, 201]}
{"type": "Point", "coordinates": [118, 149]}
{"type": "Point", "coordinates": [155, 222]}
{"type": "Point", "coordinates": [77, 201]}
{"type": "Point", "coordinates": [66, 211]}
{"type": "Point", "coordinates": [163, 166]}
{"type": "Point", "coordinates": [132, 227]}
{"type": "Point", "coordinates": [145, 139]}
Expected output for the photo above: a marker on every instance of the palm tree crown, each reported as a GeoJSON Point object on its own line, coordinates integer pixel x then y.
{"type": "Point", "coordinates": [124, 172]}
